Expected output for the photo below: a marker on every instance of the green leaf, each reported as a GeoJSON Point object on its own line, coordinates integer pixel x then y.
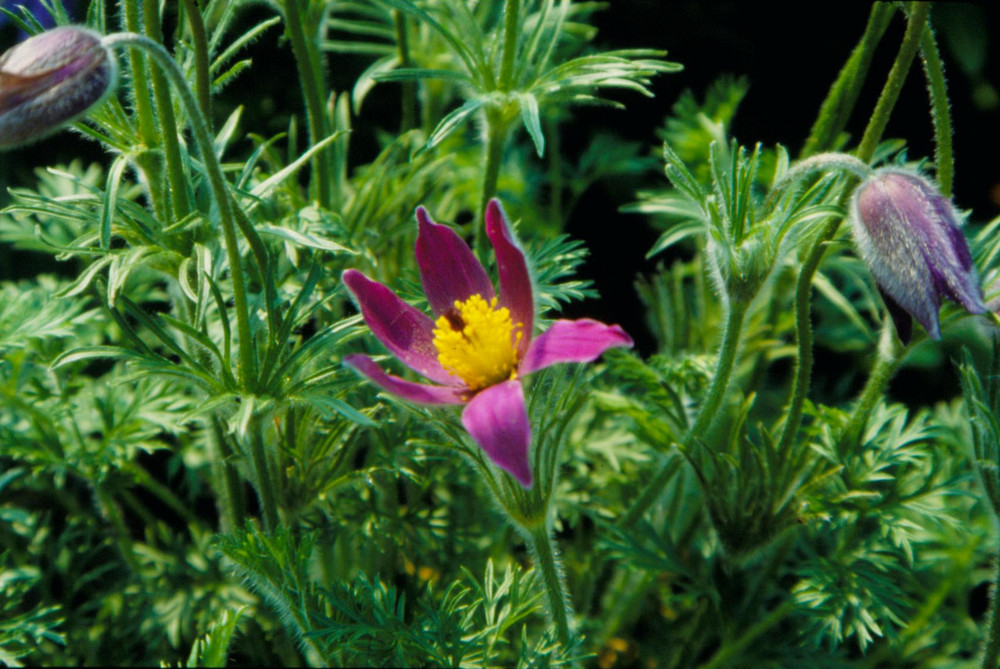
{"type": "Point", "coordinates": [532, 122]}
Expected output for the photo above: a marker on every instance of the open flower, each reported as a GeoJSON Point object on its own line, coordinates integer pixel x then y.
{"type": "Point", "coordinates": [480, 345]}
{"type": "Point", "coordinates": [50, 79]}
{"type": "Point", "coordinates": [908, 234]}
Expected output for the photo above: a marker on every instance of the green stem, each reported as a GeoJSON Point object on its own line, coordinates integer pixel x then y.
{"type": "Point", "coordinates": [915, 26]}
{"type": "Point", "coordinates": [311, 81]}
{"type": "Point", "coordinates": [146, 124]}
{"type": "Point", "coordinates": [262, 473]}
{"type": "Point", "coordinates": [409, 88]}
{"type": "Point", "coordinates": [991, 651]}
{"type": "Point", "coordinates": [803, 336]}
{"type": "Point", "coordinates": [497, 121]}
{"type": "Point", "coordinates": [497, 129]}
{"type": "Point", "coordinates": [937, 87]}
{"type": "Point", "coordinates": [202, 73]}
{"type": "Point", "coordinates": [546, 558]}
{"type": "Point", "coordinates": [231, 494]}
{"type": "Point", "coordinates": [706, 414]}
{"type": "Point", "coordinates": [181, 206]}
{"type": "Point", "coordinates": [511, 21]}
{"type": "Point", "coordinates": [889, 357]}
{"type": "Point", "coordinates": [843, 96]}
{"type": "Point", "coordinates": [217, 182]}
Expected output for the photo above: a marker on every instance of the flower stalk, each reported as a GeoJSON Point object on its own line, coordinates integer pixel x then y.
{"type": "Point", "coordinates": [706, 414]}
{"type": "Point", "coordinates": [217, 181]}
{"type": "Point", "coordinates": [545, 555]}
{"type": "Point", "coordinates": [312, 90]}
{"type": "Point", "coordinates": [915, 26]}
{"type": "Point", "coordinates": [180, 205]}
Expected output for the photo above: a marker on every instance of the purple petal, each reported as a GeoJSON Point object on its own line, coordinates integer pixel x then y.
{"type": "Point", "coordinates": [418, 393]}
{"type": "Point", "coordinates": [908, 233]}
{"type": "Point", "coordinates": [572, 341]}
{"type": "Point", "coordinates": [448, 269]}
{"type": "Point", "coordinates": [498, 421]}
{"type": "Point", "coordinates": [515, 282]}
{"type": "Point", "coordinates": [406, 332]}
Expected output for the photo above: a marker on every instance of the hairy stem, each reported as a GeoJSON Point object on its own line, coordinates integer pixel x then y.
{"type": "Point", "coordinates": [511, 20]}
{"type": "Point", "coordinates": [181, 206]}
{"type": "Point", "coordinates": [497, 129]}
{"type": "Point", "coordinates": [937, 87]}
{"type": "Point", "coordinates": [546, 558]}
{"type": "Point", "coordinates": [262, 474]}
{"type": "Point", "coordinates": [146, 123]}
{"type": "Point", "coordinates": [408, 118]}
{"type": "Point", "coordinates": [915, 26]}
{"type": "Point", "coordinates": [203, 76]}
{"type": "Point", "coordinates": [889, 357]}
{"type": "Point", "coordinates": [843, 96]}
{"type": "Point", "coordinates": [312, 90]}
{"type": "Point", "coordinates": [706, 414]}
{"type": "Point", "coordinates": [219, 190]}
{"type": "Point", "coordinates": [991, 651]}
{"type": "Point", "coordinates": [803, 336]}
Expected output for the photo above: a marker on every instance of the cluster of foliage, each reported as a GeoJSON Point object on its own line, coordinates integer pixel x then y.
{"type": "Point", "coordinates": [190, 476]}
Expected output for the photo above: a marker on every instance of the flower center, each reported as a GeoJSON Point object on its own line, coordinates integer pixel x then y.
{"type": "Point", "coordinates": [476, 342]}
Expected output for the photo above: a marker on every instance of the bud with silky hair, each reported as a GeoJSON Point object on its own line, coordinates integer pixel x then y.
{"type": "Point", "coordinates": [51, 79]}
{"type": "Point", "coordinates": [908, 233]}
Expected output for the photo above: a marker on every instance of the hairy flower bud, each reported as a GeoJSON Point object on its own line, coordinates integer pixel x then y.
{"type": "Point", "coordinates": [908, 234]}
{"type": "Point", "coordinates": [50, 79]}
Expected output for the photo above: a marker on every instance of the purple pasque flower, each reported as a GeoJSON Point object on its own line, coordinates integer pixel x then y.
{"type": "Point", "coordinates": [481, 345]}
{"type": "Point", "coordinates": [50, 79]}
{"type": "Point", "coordinates": [908, 234]}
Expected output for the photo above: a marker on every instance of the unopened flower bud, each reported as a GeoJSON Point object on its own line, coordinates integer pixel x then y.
{"type": "Point", "coordinates": [49, 80]}
{"type": "Point", "coordinates": [908, 234]}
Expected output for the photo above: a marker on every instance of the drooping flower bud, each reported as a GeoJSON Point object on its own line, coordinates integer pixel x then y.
{"type": "Point", "coordinates": [51, 79]}
{"type": "Point", "coordinates": [908, 234]}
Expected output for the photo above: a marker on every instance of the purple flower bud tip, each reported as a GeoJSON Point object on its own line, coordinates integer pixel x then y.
{"type": "Point", "coordinates": [49, 80]}
{"type": "Point", "coordinates": [908, 234]}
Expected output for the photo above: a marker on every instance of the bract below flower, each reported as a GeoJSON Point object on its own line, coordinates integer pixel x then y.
{"type": "Point", "coordinates": [479, 345]}
{"type": "Point", "coordinates": [908, 234]}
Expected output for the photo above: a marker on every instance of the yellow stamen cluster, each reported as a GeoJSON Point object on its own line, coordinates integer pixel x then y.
{"type": "Point", "coordinates": [477, 343]}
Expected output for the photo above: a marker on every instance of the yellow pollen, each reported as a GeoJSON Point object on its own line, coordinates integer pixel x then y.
{"type": "Point", "coordinates": [477, 343]}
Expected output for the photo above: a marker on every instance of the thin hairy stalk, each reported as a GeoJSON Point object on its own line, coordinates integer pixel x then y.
{"type": "Point", "coordinates": [202, 74]}
{"type": "Point", "coordinates": [546, 558]}
{"type": "Point", "coordinates": [310, 78]}
{"type": "Point", "coordinates": [231, 496]}
{"type": "Point", "coordinates": [889, 357]}
{"type": "Point", "coordinates": [511, 20]}
{"type": "Point", "coordinates": [706, 413]}
{"type": "Point", "coordinates": [991, 651]}
{"type": "Point", "coordinates": [937, 87]}
{"type": "Point", "coordinates": [408, 118]}
{"type": "Point", "coordinates": [262, 474]}
{"type": "Point", "coordinates": [915, 26]}
{"type": "Point", "coordinates": [497, 121]}
{"type": "Point", "coordinates": [843, 96]}
{"type": "Point", "coordinates": [217, 182]}
{"type": "Point", "coordinates": [146, 123]}
{"type": "Point", "coordinates": [803, 336]}
{"type": "Point", "coordinates": [180, 205]}
{"type": "Point", "coordinates": [497, 129]}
